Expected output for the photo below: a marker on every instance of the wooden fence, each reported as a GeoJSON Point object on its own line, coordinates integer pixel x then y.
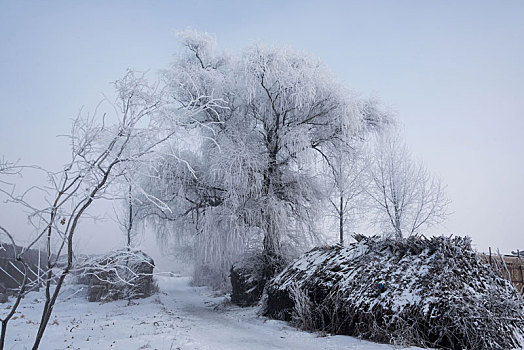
{"type": "Point", "coordinates": [510, 267]}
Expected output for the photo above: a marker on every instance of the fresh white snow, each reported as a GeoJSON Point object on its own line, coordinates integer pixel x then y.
{"type": "Point", "coordinates": [179, 317]}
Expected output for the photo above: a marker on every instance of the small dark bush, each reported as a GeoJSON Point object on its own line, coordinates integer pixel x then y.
{"type": "Point", "coordinates": [250, 275]}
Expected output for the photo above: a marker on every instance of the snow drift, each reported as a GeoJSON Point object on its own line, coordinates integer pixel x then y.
{"type": "Point", "coordinates": [427, 292]}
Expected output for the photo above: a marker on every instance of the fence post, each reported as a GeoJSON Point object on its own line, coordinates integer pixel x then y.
{"type": "Point", "coordinates": [521, 274]}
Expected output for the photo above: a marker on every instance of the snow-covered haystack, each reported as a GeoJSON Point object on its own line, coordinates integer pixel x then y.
{"type": "Point", "coordinates": [121, 274]}
{"type": "Point", "coordinates": [250, 275]}
{"type": "Point", "coordinates": [427, 292]}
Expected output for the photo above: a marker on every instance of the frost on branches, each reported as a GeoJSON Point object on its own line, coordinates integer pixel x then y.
{"type": "Point", "coordinates": [427, 292]}
{"type": "Point", "coordinates": [249, 179]}
{"type": "Point", "coordinates": [404, 197]}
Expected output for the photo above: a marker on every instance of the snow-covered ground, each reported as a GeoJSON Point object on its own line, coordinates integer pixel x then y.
{"type": "Point", "coordinates": [179, 317]}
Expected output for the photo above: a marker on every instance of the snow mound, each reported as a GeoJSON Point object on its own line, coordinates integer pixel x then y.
{"type": "Point", "coordinates": [427, 292]}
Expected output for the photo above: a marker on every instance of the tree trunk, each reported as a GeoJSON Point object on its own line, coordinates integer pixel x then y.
{"type": "Point", "coordinates": [341, 220]}
{"type": "Point", "coordinates": [398, 233]}
{"type": "Point", "coordinates": [2, 336]}
{"type": "Point", "coordinates": [48, 309]}
{"type": "Point", "coordinates": [130, 219]}
{"type": "Point", "coordinates": [271, 241]}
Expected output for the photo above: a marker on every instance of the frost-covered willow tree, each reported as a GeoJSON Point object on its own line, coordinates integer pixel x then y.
{"type": "Point", "coordinates": [253, 177]}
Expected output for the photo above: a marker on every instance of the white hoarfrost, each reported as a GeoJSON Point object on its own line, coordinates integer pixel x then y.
{"type": "Point", "coordinates": [255, 177]}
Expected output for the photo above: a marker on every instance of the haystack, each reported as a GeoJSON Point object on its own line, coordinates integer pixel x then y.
{"type": "Point", "coordinates": [426, 292]}
{"type": "Point", "coordinates": [121, 274]}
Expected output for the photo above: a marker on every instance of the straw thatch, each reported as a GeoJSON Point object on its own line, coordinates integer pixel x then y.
{"type": "Point", "coordinates": [427, 292]}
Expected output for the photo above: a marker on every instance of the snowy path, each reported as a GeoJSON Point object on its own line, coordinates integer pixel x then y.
{"type": "Point", "coordinates": [180, 317]}
{"type": "Point", "coordinates": [212, 324]}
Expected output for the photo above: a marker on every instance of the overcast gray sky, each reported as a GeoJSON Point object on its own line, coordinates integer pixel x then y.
{"type": "Point", "coordinates": [452, 70]}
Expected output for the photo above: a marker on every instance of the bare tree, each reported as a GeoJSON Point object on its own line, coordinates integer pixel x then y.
{"type": "Point", "coordinates": [102, 148]}
{"type": "Point", "coordinates": [347, 165]}
{"type": "Point", "coordinates": [98, 150]}
{"type": "Point", "coordinates": [129, 213]}
{"type": "Point", "coordinates": [347, 172]}
{"type": "Point", "coordinates": [404, 196]}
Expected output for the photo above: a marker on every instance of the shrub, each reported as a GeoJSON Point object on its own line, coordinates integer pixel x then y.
{"type": "Point", "coordinates": [250, 275]}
